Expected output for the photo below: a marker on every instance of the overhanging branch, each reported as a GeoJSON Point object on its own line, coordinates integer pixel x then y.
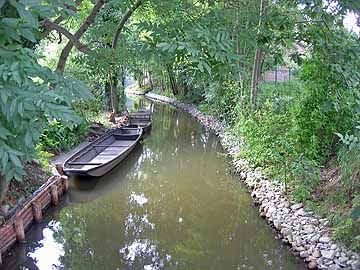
{"type": "Point", "coordinates": [124, 19]}
{"type": "Point", "coordinates": [59, 19]}
{"type": "Point", "coordinates": [53, 26]}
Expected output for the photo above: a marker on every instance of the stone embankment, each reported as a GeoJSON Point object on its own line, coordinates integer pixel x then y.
{"type": "Point", "coordinates": [308, 234]}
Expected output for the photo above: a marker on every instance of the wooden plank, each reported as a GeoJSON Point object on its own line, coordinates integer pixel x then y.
{"type": "Point", "coordinates": [27, 217]}
{"type": "Point", "coordinates": [36, 207]}
{"type": "Point", "coordinates": [84, 163]}
{"type": "Point", "coordinates": [109, 145]}
{"type": "Point", "coordinates": [7, 237]}
{"type": "Point", "coordinates": [19, 229]}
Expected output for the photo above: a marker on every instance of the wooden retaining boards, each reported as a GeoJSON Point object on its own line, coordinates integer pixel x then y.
{"type": "Point", "coordinates": [14, 228]}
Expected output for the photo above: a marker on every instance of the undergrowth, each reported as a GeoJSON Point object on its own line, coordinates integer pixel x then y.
{"type": "Point", "coordinates": [291, 135]}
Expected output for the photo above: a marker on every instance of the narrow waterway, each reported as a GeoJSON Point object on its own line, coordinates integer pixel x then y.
{"type": "Point", "coordinates": [172, 205]}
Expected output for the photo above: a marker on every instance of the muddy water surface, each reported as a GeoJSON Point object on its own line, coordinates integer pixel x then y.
{"type": "Point", "coordinates": [172, 205]}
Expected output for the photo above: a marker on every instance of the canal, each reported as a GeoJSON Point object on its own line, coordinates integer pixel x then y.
{"type": "Point", "coordinates": [173, 204]}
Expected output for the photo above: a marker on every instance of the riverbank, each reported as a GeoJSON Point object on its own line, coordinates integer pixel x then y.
{"type": "Point", "coordinates": [135, 89]}
{"type": "Point", "coordinates": [37, 173]}
{"type": "Point", "coordinates": [308, 235]}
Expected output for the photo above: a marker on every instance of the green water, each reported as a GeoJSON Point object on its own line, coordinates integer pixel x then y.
{"type": "Point", "coordinates": [172, 205]}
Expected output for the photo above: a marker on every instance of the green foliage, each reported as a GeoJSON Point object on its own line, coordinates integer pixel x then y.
{"type": "Point", "coordinates": [57, 137]}
{"type": "Point", "coordinates": [347, 231]}
{"type": "Point", "coordinates": [30, 94]}
{"type": "Point", "coordinates": [322, 111]}
{"type": "Point", "coordinates": [282, 94]}
{"type": "Point", "coordinates": [266, 136]}
{"type": "Point", "coordinates": [223, 100]}
{"type": "Point", "coordinates": [43, 157]}
{"type": "Point", "coordinates": [350, 169]}
{"type": "Point", "coordinates": [166, 93]}
{"type": "Point", "coordinates": [305, 178]}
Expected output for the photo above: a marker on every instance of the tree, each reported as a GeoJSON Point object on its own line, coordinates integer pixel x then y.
{"type": "Point", "coordinates": [114, 44]}
{"type": "Point", "coordinates": [26, 102]}
{"type": "Point", "coordinates": [79, 33]}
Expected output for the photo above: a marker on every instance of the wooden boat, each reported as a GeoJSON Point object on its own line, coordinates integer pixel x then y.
{"type": "Point", "coordinates": [141, 118]}
{"type": "Point", "coordinates": [104, 153]}
{"type": "Point", "coordinates": [93, 188]}
{"type": "Point", "coordinates": [145, 125]}
{"type": "Point", "coordinates": [140, 115]}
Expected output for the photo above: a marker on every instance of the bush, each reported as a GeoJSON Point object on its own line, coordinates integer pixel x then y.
{"type": "Point", "coordinates": [347, 230]}
{"type": "Point", "coordinates": [223, 100]}
{"type": "Point", "coordinates": [58, 137]}
{"type": "Point", "coordinates": [350, 170]}
{"type": "Point", "coordinates": [305, 178]}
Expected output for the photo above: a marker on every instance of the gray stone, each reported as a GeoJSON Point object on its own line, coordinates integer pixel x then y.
{"type": "Point", "coordinates": [355, 265]}
{"type": "Point", "coordinates": [296, 206]}
{"type": "Point", "coordinates": [316, 253]}
{"type": "Point", "coordinates": [315, 238]}
{"type": "Point", "coordinates": [334, 267]}
{"type": "Point", "coordinates": [277, 224]}
{"type": "Point", "coordinates": [308, 230]}
{"type": "Point", "coordinates": [328, 254]}
{"type": "Point", "coordinates": [312, 265]}
{"type": "Point", "coordinates": [270, 211]}
{"type": "Point", "coordinates": [343, 260]}
{"type": "Point", "coordinates": [303, 254]}
{"type": "Point", "coordinates": [324, 239]}
{"type": "Point", "coordinates": [286, 210]}
{"type": "Point", "coordinates": [301, 212]}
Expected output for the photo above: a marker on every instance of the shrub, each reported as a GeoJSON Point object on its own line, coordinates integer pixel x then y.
{"type": "Point", "coordinates": [223, 100]}
{"type": "Point", "coordinates": [57, 137]}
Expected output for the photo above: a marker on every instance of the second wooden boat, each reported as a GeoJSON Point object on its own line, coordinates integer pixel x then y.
{"type": "Point", "coordinates": [141, 118]}
{"type": "Point", "coordinates": [104, 153]}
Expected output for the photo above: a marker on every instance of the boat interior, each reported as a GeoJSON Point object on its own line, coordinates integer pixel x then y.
{"type": "Point", "coordinates": [105, 149]}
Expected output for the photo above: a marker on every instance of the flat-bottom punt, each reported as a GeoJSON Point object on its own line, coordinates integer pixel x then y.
{"type": "Point", "coordinates": [144, 124]}
{"type": "Point", "coordinates": [141, 118]}
{"type": "Point", "coordinates": [103, 154]}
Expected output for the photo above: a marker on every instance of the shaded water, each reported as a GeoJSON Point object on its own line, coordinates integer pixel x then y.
{"type": "Point", "coordinates": [171, 205]}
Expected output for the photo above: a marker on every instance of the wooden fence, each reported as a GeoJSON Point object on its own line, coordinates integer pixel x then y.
{"type": "Point", "coordinates": [279, 74]}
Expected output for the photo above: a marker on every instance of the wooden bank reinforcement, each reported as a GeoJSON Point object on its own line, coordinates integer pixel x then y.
{"type": "Point", "coordinates": [31, 211]}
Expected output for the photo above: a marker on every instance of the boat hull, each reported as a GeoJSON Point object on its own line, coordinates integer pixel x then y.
{"type": "Point", "coordinates": [97, 172]}
{"type": "Point", "coordinates": [105, 153]}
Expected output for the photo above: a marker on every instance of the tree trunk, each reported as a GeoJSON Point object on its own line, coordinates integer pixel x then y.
{"type": "Point", "coordinates": [258, 59]}
{"type": "Point", "coordinates": [114, 44]}
{"type": "Point", "coordinates": [114, 96]}
{"type": "Point", "coordinates": [256, 73]}
{"type": "Point", "coordinates": [172, 81]}
{"type": "Point", "coordinates": [151, 81]}
{"type": "Point", "coordinates": [82, 29]}
{"type": "Point", "coordinates": [3, 188]}
{"type": "Point", "coordinates": [123, 21]}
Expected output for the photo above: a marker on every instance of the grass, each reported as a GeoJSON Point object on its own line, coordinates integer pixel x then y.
{"type": "Point", "coordinates": [135, 88]}
{"type": "Point", "coordinates": [166, 93]}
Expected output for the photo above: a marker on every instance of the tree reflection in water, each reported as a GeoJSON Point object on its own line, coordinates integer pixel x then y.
{"type": "Point", "coordinates": [139, 251]}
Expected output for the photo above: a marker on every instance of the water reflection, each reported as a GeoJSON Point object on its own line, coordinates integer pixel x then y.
{"type": "Point", "coordinates": [173, 205]}
{"type": "Point", "coordinates": [87, 189]}
{"type": "Point", "coordinates": [48, 247]}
